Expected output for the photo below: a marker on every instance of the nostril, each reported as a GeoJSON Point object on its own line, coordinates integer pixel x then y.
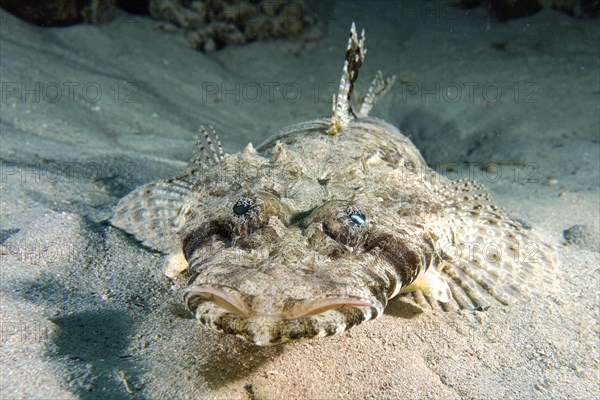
{"type": "Point", "coordinates": [246, 243]}
{"type": "Point", "coordinates": [301, 219]}
{"type": "Point", "coordinates": [335, 254]}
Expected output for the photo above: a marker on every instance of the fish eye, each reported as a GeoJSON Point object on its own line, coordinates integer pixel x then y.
{"type": "Point", "coordinates": [248, 214]}
{"type": "Point", "coordinates": [242, 206]}
{"type": "Point", "coordinates": [357, 217]}
{"type": "Point", "coordinates": [345, 223]}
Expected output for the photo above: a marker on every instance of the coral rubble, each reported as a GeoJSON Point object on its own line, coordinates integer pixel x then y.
{"type": "Point", "coordinates": [213, 24]}
{"type": "Point", "coordinates": [69, 12]}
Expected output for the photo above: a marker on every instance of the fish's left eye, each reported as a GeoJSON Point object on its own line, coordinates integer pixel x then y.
{"type": "Point", "coordinates": [357, 217]}
{"type": "Point", "coordinates": [242, 206]}
{"type": "Point", "coordinates": [347, 224]}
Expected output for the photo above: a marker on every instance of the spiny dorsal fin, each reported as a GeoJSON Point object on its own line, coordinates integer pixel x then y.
{"type": "Point", "coordinates": [379, 87]}
{"type": "Point", "coordinates": [342, 112]}
{"type": "Point", "coordinates": [150, 212]}
{"type": "Point", "coordinates": [355, 55]}
{"type": "Point", "coordinates": [212, 155]}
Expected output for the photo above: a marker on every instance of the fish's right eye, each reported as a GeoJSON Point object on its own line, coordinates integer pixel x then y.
{"type": "Point", "coordinates": [246, 215]}
{"type": "Point", "coordinates": [250, 213]}
{"type": "Point", "coordinates": [242, 206]}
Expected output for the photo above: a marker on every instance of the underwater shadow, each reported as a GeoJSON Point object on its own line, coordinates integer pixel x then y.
{"type": "Point", "coordinates": [92, 345]}
{"type": "Point", "coordinates": [404, 307]}
{"type": "Point", "coordinates": [89, 348]}
{"type": "Point", "coordinates": [233, 360]}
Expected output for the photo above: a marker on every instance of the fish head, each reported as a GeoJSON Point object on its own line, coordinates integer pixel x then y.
{"type": "Point", "coordinates": [282, 250]}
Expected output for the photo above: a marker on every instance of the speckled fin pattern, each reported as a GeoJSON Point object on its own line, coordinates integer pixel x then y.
{"type": "Point", "coordinates": [150, 213]}
{"type": "Point", "coordinates": [492, 257]}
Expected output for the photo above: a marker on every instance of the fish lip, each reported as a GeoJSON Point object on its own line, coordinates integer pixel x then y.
{"type": "Point", "coordinates": [271, 331]}
{"type": "Point", "coordinates": [230, 301]}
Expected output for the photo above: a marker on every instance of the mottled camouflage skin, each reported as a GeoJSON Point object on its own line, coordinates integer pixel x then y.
{"type": "Point", "coordinates": [301, 247]}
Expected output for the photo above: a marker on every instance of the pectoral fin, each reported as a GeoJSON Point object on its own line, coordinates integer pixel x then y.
{"type": "Point", "coordinates": [150, 212]}
{"type": "Point", "coordinates": [491, 257]}
{"type": "Point", "coordinates": [433, 284]}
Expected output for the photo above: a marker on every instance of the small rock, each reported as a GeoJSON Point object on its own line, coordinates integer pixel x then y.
{"type": "Point", "coordinates": [583, 236]}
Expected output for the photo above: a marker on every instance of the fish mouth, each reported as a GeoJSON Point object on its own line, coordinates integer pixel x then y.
{"type": "Point", "coordinates": [223, 310]}
{"type": "Point", "coordinates": [232, 302]}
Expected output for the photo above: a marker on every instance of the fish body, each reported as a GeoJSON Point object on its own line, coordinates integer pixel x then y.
{"type": "Point", "coordinates": [313, 231]}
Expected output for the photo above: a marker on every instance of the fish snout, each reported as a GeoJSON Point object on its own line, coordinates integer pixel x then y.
{"type": "Point", "coordinates": [268, 320]}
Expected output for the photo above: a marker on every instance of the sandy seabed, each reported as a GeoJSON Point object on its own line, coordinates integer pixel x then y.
{"type": "Point", "coordinates": [90, 112]}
